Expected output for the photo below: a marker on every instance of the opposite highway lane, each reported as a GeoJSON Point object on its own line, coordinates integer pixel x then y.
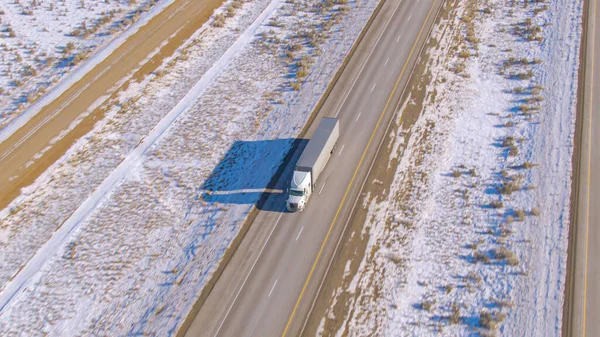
{"type": "Point", "coordinates": [267, 287]}
{"type": "Point", "coordinates": [582, 300]}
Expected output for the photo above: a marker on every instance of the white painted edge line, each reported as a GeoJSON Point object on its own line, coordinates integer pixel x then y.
{"type": "Point", "coordinates": [50, 248]}
{"type": "Point", "coordinates": [367, 60]}
{"type": "Point", "coordinates": [386, 61]}
{"type": "Point", "coordinates": [273, 287]}
{"type": "Point", "coordinates": [79, 72]}
{"type": "Point", "coordinates": [322, 187]}
{"type": "Point", "coordinates": [300, 232]}
{"type": "Point", "coordinates": [357, 117]}
{"type": "Point", "coordinates": [373, 87]}
{"type": "Point", "coordinates": [410, 16]}
{"type": "Point", "coordinates": [342, 149]}
{"type": "Point", "coordinates": [399, 36]}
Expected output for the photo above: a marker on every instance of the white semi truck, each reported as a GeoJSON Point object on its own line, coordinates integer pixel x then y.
{"type": "Point", "coordinates": [312, 162]}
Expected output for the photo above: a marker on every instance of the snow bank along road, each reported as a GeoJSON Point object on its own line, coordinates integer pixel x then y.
{"type": "Point", "coordinates": [26, 153]}
{"type": "Point", "coordinates": [269, 284]}
{"type": "Point", "coordinates": [582, 300]}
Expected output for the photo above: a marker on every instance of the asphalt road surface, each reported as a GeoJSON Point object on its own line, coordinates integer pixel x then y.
{"type": "Point", "coordinates": [582, 301]}
{"type": "Point", "coordinates": [20, 159]}
{"type": "Point", "coordinates": [268, 285]}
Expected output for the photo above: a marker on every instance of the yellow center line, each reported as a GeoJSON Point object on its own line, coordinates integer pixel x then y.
{"type": "Point", "coordinates": [337, 213]}
{"type": "Point", "coordinates": [587, 220]}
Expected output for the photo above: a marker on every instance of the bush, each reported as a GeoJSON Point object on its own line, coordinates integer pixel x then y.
{"type": "Point", "coordinates": [464, 54]}
{"type": "Point", "coordinates": [296, 86]}
{"type": "Point", "coordinates": [456, 173]}
{"type": "Point", "coordinates": [535, 211]}
{"type": "Point", "coordinates": [479, 256]}
{"type": "Point", "coordinates": [507, 188]}
{"type": "Point", "coordinates": [508, 141]}
{"type": "Point", "coordinates": [490, 320]}
{"type": "Point", "coordinates": [520, 214]}
{"type": "Point", "coordinates": [513, 152]}
{"type": "Point", "coordinates": [427, 304]}
{"type": "Point", "coordinates": [302, 72]}
{"type": "Point", "coordinates": [528, 165]}
{"type": "Point", "coordinates": [455, 316]}
{"type": "Point", "coordinates": [496, 204]}
{"type": "Point", "coordinates": [219, 20]}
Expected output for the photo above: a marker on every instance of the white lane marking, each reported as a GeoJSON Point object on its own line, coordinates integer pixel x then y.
{"type": "Point", "coordinates": [300, 232]}
{"type": "Point", "coordinates": [322, 187]}
{"type": "Point", "coordinates": [367, 60]}
{"type": "Point", "coordinates": [410, 16]}
{"type": "Point", "coordinates": [342, 149]}
{"type": "Point", "coordinates": [386, 61]}
{"type": "Point", "coordinates": [247, 276]}
{"type": "Point", "coordinates": [273, 287]}
{"type": "Point", "coordinates": [399, 36]}
{"type": "Point", "coordinates": [357, 117]}
{"type": "Point", "coordinates": [373, 87]}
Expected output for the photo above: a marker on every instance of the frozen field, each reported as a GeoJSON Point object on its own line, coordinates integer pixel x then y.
{"type": "Point", "coordinates": [120, 235]}
{"type": "Point", "coordinates": [472, 237]}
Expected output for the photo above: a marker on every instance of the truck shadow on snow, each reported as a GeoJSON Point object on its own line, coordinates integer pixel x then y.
{"type": "Point", "coordinates": [255, 173]}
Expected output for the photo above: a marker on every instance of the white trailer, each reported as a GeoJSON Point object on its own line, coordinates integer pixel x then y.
{"type": "Point", "coordinates": [312, 162]}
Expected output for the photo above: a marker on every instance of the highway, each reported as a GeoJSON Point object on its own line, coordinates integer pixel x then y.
{"type": "Point", "coordinates": [268, 285]}
{"type": "Point", "coordinates": [582, 300]}
{"type": "Point", "coordinates": [20, 162]}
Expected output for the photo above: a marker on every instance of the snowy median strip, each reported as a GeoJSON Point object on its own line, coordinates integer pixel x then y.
{"type": "Point", "coordinates": [50, 248]}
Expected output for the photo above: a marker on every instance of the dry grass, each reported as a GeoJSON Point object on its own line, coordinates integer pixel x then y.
{"type": "Point", "coordinates": [491, 319]}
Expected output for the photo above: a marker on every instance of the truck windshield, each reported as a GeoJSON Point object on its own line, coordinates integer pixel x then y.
{"type": "Point", "coordinates": [298, 193]}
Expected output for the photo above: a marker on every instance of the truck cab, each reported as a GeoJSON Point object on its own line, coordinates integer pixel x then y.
{"type": "Point", "coordinates": [299, 191]}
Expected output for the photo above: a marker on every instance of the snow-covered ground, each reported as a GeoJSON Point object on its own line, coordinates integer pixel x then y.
{"type": "Point", "coordinates": [472, 237]}
{"type": "Point", "coordinates": [120, 235]}
{"type": "Point", "coordinates": [42, 42]}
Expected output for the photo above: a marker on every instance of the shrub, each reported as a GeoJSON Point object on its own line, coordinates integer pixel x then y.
{"type": "Point", "coordinates": [302, 72]}
{"type": "Point", "coordinates": [496, 204]}
{"type": "Point", "coordinates": [448, 288]}
{"type": "Point", "coordinates": [535, 211]}
{"type": "Point", "coordinates": [219, 20]}
{"type": "Point", "coordinates": [508, 141]}
{"type": "Point", "coordinates": [508, 187]}
{"type": "Point", "coordinates": [296, 86]}
{"type": "Point", "coordinates": [455, 316]}
{"type": "Point", "coordinates": [519, 90]}
{"type": "Point", "coordinates": [473, 276]}
{"type": "Point", "coordinates": [479, 256]}
{"type": "Point", "coordinates": [528, 165]}
{"type": "Point", "coordinates": [513, 152]}
{"type": "Point", "coordinates": [525, 76]}
{"type": "Point", "coordinates": [464, 54]}
{"type": "Point", "coordinates": [456, 173]}
{"type": "Point", "coordinates": [520, 214]}
{"type": "Point", "coordinates": [490, 320]}
{"type": "Point", "coordinates": [427, 304]}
